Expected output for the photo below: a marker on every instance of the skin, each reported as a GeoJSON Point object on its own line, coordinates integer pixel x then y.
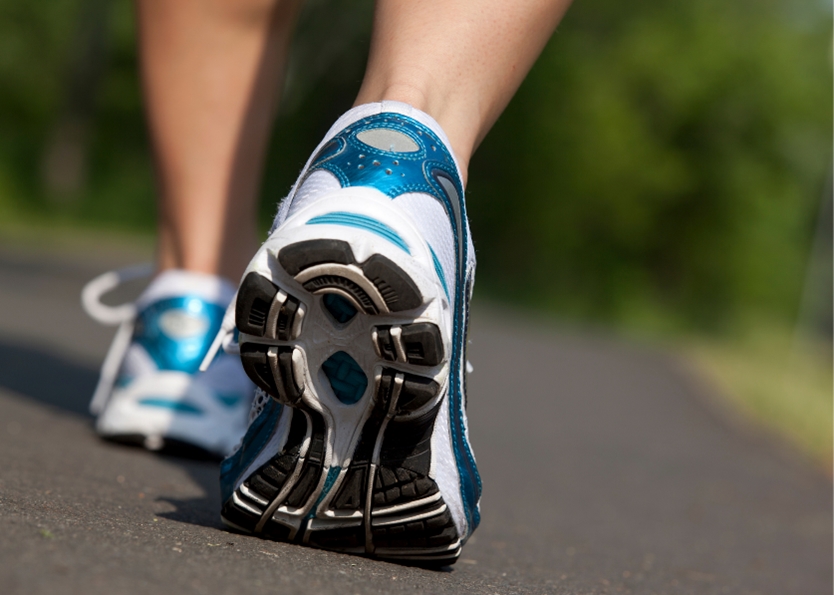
{"type": "Point", "coordinates": [212, 71]}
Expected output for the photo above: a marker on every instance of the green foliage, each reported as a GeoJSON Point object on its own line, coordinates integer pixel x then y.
{"type": "Point", "coordinates": [30, 83]}
{"type": "Point", "coordinates": [41, 47]}
{"type": "Point", "coordinates": [661, 166]}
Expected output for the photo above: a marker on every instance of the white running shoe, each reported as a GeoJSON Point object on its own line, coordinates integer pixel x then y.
{"type": "Point", "coordinates": [352, 319]}
{"type": "Point", "coordinates": [150, 391]}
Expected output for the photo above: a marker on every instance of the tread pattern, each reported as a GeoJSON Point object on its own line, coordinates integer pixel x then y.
{"type": "Point", "coordinates": [324, 282]}
{"type": "Point", "coordinates": [271, 368]}
{"type": "Point", "coordinates": [257, 297]}
{"type": "Point", "coordinates": [301, 255]}
{"type": "Point", "coordinates": [396, 287]}
{"type": "Point", "coordinates": [385, 504]}
{"type": "Point", "coordinates": [419, 343]}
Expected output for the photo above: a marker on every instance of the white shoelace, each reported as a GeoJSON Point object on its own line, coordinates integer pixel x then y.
{"type": "Point", "coordinates": [123, 315]}
{"type": "Point", "coordinates": [225, 337]}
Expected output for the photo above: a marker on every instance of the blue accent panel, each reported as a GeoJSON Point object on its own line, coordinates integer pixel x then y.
{"type": "Point", "coordinates": [356, 164]}
{"type": "Point", "coordinates": [177, 332]}
{"type": "Point", "coordinates": [393, 173]}
{"type": "Point", "coordinates": [361, 222]}
{"type": "Point", "coordinates": [253, 442]}
{"type": "Point", "coordinates": [123, 381]}
{"type": "Point", "coordinates": [346, 377]}
{"type": "Point", "coordinates": [341, 309]}
{"type": "Point", "coordinates": [171, 405]}
{"type": "Point", "coordinates": [332, 475]}
{"type": "Point", "coordinates": [476, 487]}
{"type": "Point", "coordinates": [471, 488]}
{"type": "Point", "coordinates": [439, 270]}
{"type": "Point", "coordinates": [228, 400]}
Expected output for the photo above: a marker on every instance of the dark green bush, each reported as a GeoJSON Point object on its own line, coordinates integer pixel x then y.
{"type": "Point", "coordinates": [661, 167]}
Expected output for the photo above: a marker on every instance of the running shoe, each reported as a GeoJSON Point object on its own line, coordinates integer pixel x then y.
{"type": "Point", "coordinates": [150, 391]}
{"type": "Point", "coordinates": [352, 322]}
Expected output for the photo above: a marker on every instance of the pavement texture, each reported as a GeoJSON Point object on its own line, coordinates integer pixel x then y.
{"type": "Point", "coordinates": [607, 468]}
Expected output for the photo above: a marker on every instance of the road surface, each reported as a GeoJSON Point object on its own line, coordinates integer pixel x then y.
{"type": "Point", "coordinates": [607, 468]}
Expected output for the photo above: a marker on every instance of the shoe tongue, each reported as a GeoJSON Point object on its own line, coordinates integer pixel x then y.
{"type": "Point", "coordinates": [178, 282]}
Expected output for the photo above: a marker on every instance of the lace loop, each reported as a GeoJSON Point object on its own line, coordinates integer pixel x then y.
{"type": "Point", "coordinates": [94, 290]}
{"type": "Point", "coordinates": [122, 315]}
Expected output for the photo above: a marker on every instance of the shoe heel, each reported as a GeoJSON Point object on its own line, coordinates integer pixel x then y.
{"type": "Point", "coordinates": [382, 502]}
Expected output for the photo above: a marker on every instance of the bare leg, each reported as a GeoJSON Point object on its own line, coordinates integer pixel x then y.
{"type": "Point", "coordinates": [212, 71]}
{"type": "Point", "coordinates": [460, 61]}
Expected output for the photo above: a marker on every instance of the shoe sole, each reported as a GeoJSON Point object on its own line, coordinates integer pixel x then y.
{"type": "Point", "coordinates": [354, 472]}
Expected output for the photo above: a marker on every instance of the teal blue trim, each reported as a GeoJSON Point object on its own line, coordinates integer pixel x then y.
{"type": "Point", "coordinates": [229, 400]}
{"type": "Point", "coordinates": [346, 377]}
{"type": "Point", "coordinates": [178, 353]}
{"type": "Point", "coordinates": [439, 270]}
{"type": "Point", "coordinates": [429, 170]}
{"type": "Point", "coordinates": [393, 173]}
{"type": "Point", "coordinates": [361, 222]}
{"type": "Point", "coordinates": [123, 381]}
{"type": "Point", "coordinates": [253, 443]}
{"type": "Point", "coordinates": [332, 475]}
{"type": "Point", "coordinates": [178, 406]}
{"type": "Point", "coordinates": [339, 307]}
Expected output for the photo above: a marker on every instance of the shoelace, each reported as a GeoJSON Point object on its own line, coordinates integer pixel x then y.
{"type": "Point", "coordinates": [225, 337]}
{"type": "Point", "coordinates": [124, 316]}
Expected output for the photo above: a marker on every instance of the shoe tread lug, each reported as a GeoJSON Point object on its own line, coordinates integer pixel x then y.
{"type": "Point", "coordinates": [401, 474]}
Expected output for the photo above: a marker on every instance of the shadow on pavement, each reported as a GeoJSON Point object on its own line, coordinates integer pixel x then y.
{"type": "Point", "coordinates": [52, 380]}
{"type": "Point", "coordinates": [205, 511]}
{"type": "Point", "coordinates": [46, 377]}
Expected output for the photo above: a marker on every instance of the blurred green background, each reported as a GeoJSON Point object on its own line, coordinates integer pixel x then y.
{"type": "Point", "coordinates": [664, 171]}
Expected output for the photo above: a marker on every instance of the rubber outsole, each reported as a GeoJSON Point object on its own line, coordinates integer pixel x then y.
{"type": "Point", "coordinates": [383, 502]}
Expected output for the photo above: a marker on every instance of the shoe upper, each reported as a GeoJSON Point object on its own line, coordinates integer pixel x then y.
{"type": "Point", "coordinates": [150, 385]}
{"type": "Point", "coordinates": [403, 154]}
{"type": "Point", "coordinates": [176, 332]}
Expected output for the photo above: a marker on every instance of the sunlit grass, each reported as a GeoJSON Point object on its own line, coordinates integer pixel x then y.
{"type": "Point", "coordinates": [779, 377]}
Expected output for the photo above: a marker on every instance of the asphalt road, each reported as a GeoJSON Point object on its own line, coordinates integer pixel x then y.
{"type": "Point", "coordinates": [607, 469]}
